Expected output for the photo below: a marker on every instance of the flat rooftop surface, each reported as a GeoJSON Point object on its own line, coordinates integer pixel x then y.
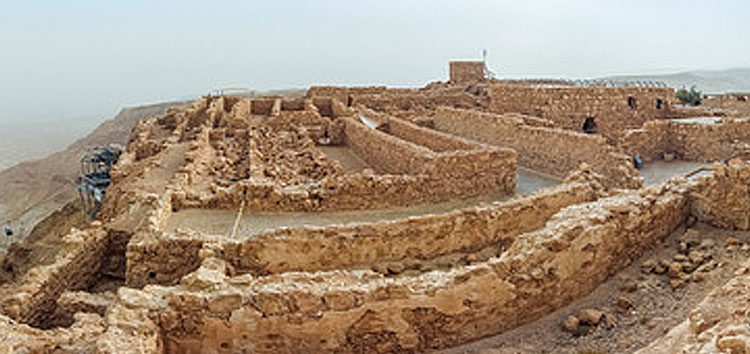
{"type": "Point", "coordinates": [221, 222]}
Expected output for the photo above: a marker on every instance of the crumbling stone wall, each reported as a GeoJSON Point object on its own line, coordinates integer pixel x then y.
{"type": "Point", "coordinates": [431, 139]}
{"type": "Point", "coordinates": [408, 242]}
{"type": "Point", "coordinates": [384, 152]}
{"type": "Point", "coordinates": [363, 311]}
{"type": "Point", "coordinates": [341, 93]}
{"type": "Point", "coordinates": [270, 168]}
{"type": "Point", "coordinates": [76, 268]}
{"type": "Point", "coordinates": [396, 240]}
{"type": "Point", "coordinates": [724, 199]}
{"type": "Point", "coordinates": [466, 71]}
{"type": "Point", "coordinates": [615, 109]}
{"type": "Point", "coordinates": [419, 101]}
{"type": "Point", "coordinates": [700, 141]}
{"type": "Point", "coordinates": [553, 151]}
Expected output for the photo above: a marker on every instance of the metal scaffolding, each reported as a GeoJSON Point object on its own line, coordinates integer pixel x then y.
{"type": "Point", "coordinates": [94, 178]}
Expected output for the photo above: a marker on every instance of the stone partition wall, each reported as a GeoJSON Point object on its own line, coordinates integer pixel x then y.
{"type": "Point", "coordinates": [363, 311]}
{"type": "Point", "coordinates": [456, 166]}
{"type": "Point", "coordinates": [419, 100]}
{"type": "Point", "coordinates": [549, 150]}
{"type": "Point", "coordinates": [422, 176]}
{"type": "Point", "coordinates": [699, 141]}
{"type": "Point", "coordinates": [384, 152]}
{"type": "Point", "coordinates": [440, 176]}
{"type": "Point", "coordinates": [615, 109]}
{"type": "Point", "coordinates": [76, 267]}
{"type": "Point", "coordinates": [724, 199]}
{"type": "Point", "coordinates": [411, 240]}
{"type": "Point", "coordinates": [466, 71]}
{"type": "Point", "coordinates": [431, 139]}
{"type": "Point", "coordinates": [342, 93]}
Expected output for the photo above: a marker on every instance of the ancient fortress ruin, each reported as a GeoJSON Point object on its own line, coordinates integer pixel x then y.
{"type": "Point", "coordinates": [375, 220]}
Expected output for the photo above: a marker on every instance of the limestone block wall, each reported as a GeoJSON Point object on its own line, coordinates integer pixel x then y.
{"type": "Point", "coordinates": [466, 71]}
{"type": "Point", "coordinates": [691, 142]}
{"type": "Point", "coordinates": [724, 199]}
{"type": "Point", "coordinates": [341, 93]}
{"type": "Point", "coordinates": [649, 142]}
{"type": "Point", "coordinates": [163, 259]}
{"type": "Point", "coordinates": [553, 151]}
{"type": "Point", "coordinates": [423, 176]}
{"type": "Point", "coordinates": [418, 100]}
{"type": "Point", "coordinates": [362, 311]}
{"type": "Point", "coordinates": [407, 240]}
{"type": "Point", "coordinates": [431, 139]}
{"type": "Point", "coordinates": [386, 153]}
{"type": "Point", "coordinates": [616, 109]}
{"type": "Point", "coordinates": [127, 329]}
{"type": "Point", "coordinates": [76, 267]}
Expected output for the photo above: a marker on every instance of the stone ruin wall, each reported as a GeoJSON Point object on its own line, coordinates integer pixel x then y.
{"type": "Point", "coordinates": [453, 165]}
{"type": "Point", "coordinates": [385, 153]}
{"type": "Point", "coordinates": [363, 311]}
{"type": "Point", "coordinates": [403, 243]}
{"type": "Point", "coordinates": [401, 100]}
{"type": "Point", "coordinates": [691, 142]}
{"type": "Point", "coordinates": [569, 106]}
{"type": "Point", "coordinates": [549, 150]}
{"type": "Point", "coordinates": [341, 93]}
{"type": "Point", "coordinates": [719, 323]}
{"type": "Point", "coordinates": [419, 101]}
{"type": "Point", "coordinates": [413, 173]}
{"type": "Point", "coordinates": [77, 269]}
{"type": "Point", "coordinates": [466, 72]}
{"type": "Point", "coordinates": [724, 200]}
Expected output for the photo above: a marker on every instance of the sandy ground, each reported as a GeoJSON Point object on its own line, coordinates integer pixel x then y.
{"type": "Point", "coordinates": [219, 222]}
{"type": "Point", "coordinates": [656, 308]}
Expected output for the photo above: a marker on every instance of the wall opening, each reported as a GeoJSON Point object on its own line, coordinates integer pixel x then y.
{"type": "Point", "coordinates": [632, 103]}
{"type": "Point", "coordinates": [589, 125]}
{"type": "Point", "coordinates": [659, 103]}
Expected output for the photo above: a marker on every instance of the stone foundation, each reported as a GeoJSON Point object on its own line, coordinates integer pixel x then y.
{"type": "Point", "coordinates": [550, 150]}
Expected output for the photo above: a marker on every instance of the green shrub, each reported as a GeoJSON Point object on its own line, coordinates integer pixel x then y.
{"type": "Point", "coordinates": [692, 97]}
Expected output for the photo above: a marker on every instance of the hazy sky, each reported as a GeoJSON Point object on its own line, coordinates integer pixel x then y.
{"type": "Point", "coordinates": [85, 59]}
